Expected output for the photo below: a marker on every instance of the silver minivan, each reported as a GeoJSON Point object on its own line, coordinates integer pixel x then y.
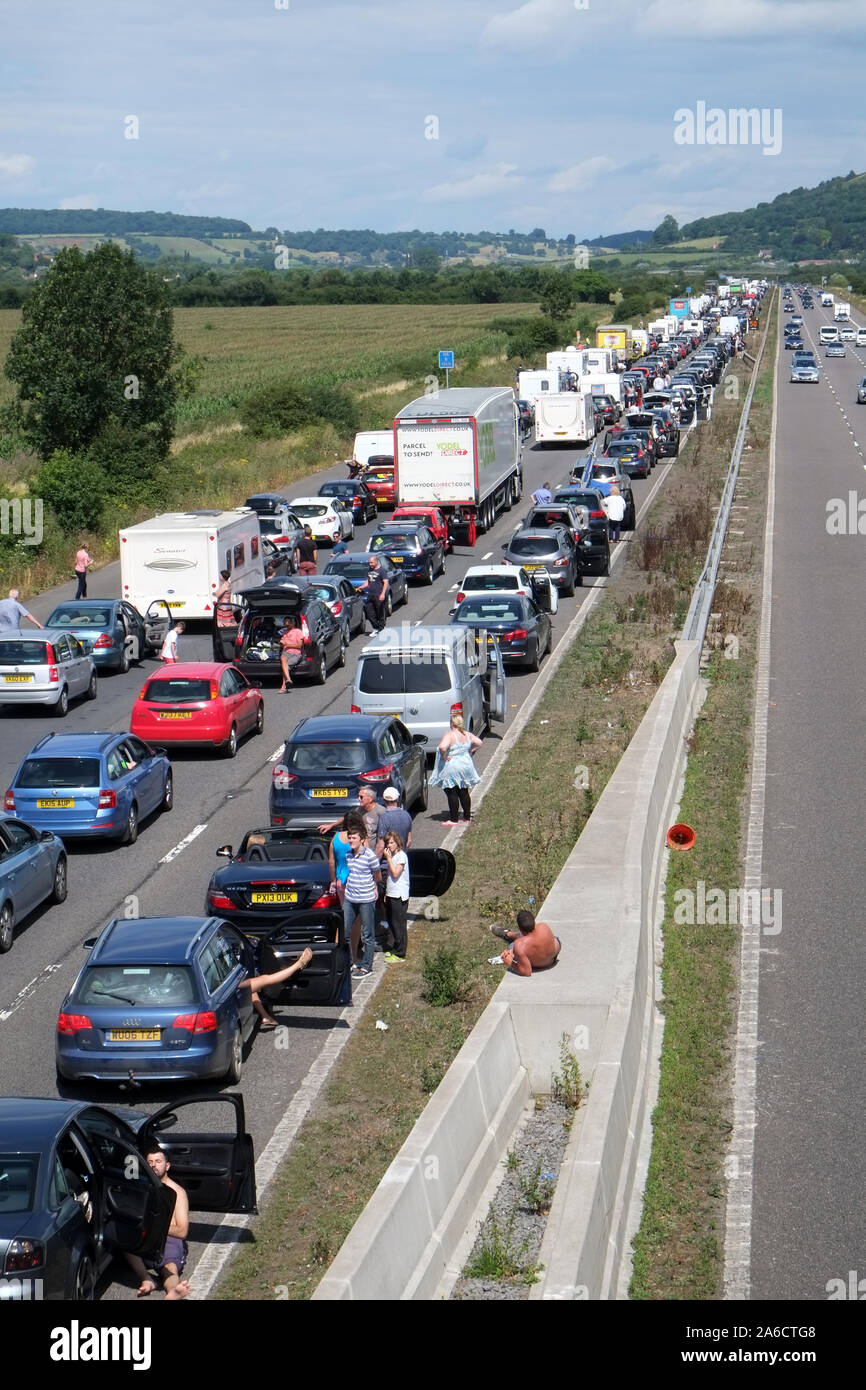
{"type": "Point", "coordinates": [424, 675]}
{"type": "Point", "coordinates": [45, 666]}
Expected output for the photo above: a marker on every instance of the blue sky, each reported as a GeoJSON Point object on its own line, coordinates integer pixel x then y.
{"type": "Point", "coordinates": [318, 114]}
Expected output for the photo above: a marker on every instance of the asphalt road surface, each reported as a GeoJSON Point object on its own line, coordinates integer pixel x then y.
{"type": "Point", "coordinates": [809, 1219]}
{"type": "Point", "coordinates": [216, 801]}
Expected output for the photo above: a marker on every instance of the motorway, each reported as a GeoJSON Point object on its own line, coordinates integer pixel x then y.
{"type": "Point", "coordinates": [808, 1215]}
{"type": "Point", "coordinates": [216, 800]}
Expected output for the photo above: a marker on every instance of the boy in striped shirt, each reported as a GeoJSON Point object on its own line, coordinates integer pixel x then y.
{"type": "Point", "coordinates": [362, 895]}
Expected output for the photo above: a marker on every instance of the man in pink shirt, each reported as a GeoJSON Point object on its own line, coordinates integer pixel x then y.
{"type": "Point", "coordinates": [82, 565]}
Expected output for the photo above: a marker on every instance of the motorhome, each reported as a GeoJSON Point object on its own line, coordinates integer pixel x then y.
{"type": "Point", "coordinates": [179, 557]}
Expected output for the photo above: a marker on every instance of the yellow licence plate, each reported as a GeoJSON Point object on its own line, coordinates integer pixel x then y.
{"type": "Point", "coordinates": [176, 603]}
{"type": "Point", "coordinates": [17, 680]}
{"type": "Point", "coordinates": [396, 559]}
{"type": "Point", "coordinates": [330, 791]}
{"type": "Point", "coordinates": [274, 897]}
{"type": "Point", "coordinates": [535, 567]}
{"type": "Point", "coordinates": [55, 804]}
{"type": "Point", "coordinates": [133, 1035]}
{"type": "Point", "coordinates": [176, 714]}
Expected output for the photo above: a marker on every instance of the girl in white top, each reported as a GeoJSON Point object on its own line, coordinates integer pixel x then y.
{"type": "Point", "coordinates": [396, 896]}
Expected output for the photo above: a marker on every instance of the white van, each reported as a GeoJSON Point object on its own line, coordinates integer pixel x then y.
{"type": "Point", "coordinates": [567, 418]}
{"type": "Point", "coordinates": [424, 675]}
{"type": "Point", "coordinates": [828, 333]}
{"type": "Point", "coordinates": [178, 557]}
{"type": "Point", "coordinates": [861, 337]}
{"type": "Point", "coordinates": [369, 443]}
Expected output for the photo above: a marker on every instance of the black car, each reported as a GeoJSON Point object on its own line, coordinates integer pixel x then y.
{"type": "Point", "coordinates": [551, 549]}
{"type": "Point", "coordinates": [355, 494]}
{"type": "Point", "coordinates": [596, 543]}
{"type": "Point", "coordinates": [253, 644]}
{"type": "Point", "coordinates": [281, 876]}
{"type": "Point", "coordinates": [328, 758]}
{"type": "Point", "coordinates": [632, 455]}
{"type": "Point", "coordinates": [568, 514]}
{"type": "Point", "coordinates": [343, 599]}
{"type": "Point", "coordinates": [75, 1189]}
{"type": "Point", "coordinates": [419, 554]}
{"type": "Point", "coordinates": [354, 565]}
{"type": "Point", "coordinates": [659, 419]}
{"type": "Point", "coordinates": [523, 631]}
{"type": "Point", "coordinates": [793, 343]}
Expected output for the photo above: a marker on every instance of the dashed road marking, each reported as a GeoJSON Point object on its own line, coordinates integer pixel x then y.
{"type": "Point", "coordinates": [182, 844]}
{"type": "Point", "coordinates": [29, 989]}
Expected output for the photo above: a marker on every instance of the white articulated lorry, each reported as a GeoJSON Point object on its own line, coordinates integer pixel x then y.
{"type": "Point", "coordinates": [568, 418]}
{"type": "Point", "coordinates": [179, 556]}
{"type": "Point", "coordinates": [461, 450]}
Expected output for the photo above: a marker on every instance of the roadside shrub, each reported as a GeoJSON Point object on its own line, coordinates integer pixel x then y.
{"type": "Point", "coordinates": [282, 407]}
{"type": "Point", "coordinates": [447, 978]}
{"type": "Point", "coordinates": [129, 458]}
{"type": "Point", "coordinates": [74, 487]}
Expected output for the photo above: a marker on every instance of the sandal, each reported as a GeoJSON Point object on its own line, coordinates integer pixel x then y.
{"type": "Point", "coordinates": [269, 1027]}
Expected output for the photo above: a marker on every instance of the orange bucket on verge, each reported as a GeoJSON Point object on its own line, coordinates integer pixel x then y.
{"type": "Point", "coordinates": [681, 836]}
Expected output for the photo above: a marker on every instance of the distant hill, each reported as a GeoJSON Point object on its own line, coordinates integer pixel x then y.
{"type": "Point", "coordinates": [824, 222]}
{"type": "Point", "coordinates": [619, 239]}
{"type": "Point", "coordinates": [68, 222]}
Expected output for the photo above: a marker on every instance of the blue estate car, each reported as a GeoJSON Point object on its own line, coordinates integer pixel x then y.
{"type": "Point", "coordinates": [91, 785]}
{"type": "Point", "coordinates": [117, 632]}
{"type": "Point", "coordinates": [32, 868]}
{"type": "Point", "coordinates": [75, 1190]}
{"type": "Point", "coordinates": [159, 998]}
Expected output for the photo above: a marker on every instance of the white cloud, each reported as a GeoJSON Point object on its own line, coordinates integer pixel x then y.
{"type": "Point", "coordinates": [499, 179]}
{"type": "Point", "coordinates": [12, 166]}
{"type": "Point", "coordinates": [79, 202]}
{"type": "Point", "coordinates": [529, 24]}
{"type": "Point", "coordinates": [577, 178]}
{"type": "Point", "coordinates": [739, 20]}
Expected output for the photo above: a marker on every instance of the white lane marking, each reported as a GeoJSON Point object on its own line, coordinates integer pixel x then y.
{"type": "Point", "coordinates": [275, 757]}
{"type": "Point", "coordinates": [738, 1231]}
{"type": "Point", "coordinates": [453, 587]}
{"type": "Point", "coordinates": [181, 846]}
{"type": "Point", "coordinates": [24, 994]}
{"type": "Point", "coordinates": [487, 556]}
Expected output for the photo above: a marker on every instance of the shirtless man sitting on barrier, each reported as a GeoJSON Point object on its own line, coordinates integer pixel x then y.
{"type": "Point", "coordinates": [534, 947]}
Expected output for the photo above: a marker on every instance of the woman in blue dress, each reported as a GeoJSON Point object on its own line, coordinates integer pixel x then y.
{"type": "Point", "coordinates": [455, 772]}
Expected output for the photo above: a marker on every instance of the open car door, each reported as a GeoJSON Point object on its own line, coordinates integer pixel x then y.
{"type": "Point", "coordinates": [157, 621]}
{"type": "Point", "coordinates": [495, 682]}
{"type": "Point", "coordinates": [136, 1207]}
{"type": "Point", "coordinates": [327, 979]}
{"type": "Point", "coordinates": [431, 872]}
{"type": "Point", "coordinates": [226, 620]}
{"type": "Point", "coordinates": [544, 591]}
{"type": "Point", "coordinates": [213, 1162]}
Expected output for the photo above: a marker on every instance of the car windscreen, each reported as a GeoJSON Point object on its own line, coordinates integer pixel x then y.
{"type": "Point", "coordinates": [80, 617]}
{"type": "Point", "coordinates": [306, 509]}
{"type": "Point", "coordinates": [533, 545]}
{"type": "Point", "coordinates": [352, 569]}
{"type": "Point", "coordinates": [17, 1182]}
{"type": "Point", "coordinates": [578, 499]}
{"type": "Point", "coordinates": [474, 610]}
{"type": "Point", "coordinates": [327, 757]}
{"type": "Point", "coordinates": [23, 653]}
{"type": "Point", "coordinates": [621, 447]}
{"type": "Point", "coordinates": [404, 540]}
{"type": "Point", "coordinates": [489, 582]}
{"type": "Point", "coordinates": [541, 519]}
{"type": "Point", "coordinates": [176, 690]}
{"type": "Point", "coordinates": [603, 472]}
{"type": "Point", "coordinates": [326, 592]}
{"type": "Point", "coordinates": [387, 676]}
{"type": "Point", "coordinates": [138, 985]}
{"type": "Point", "coordinates": [59, 772]}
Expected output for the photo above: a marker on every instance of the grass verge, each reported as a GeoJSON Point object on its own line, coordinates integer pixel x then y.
{"type": "Point", "coordinates": [506, 861]}
{"type": "Point", "coordinates": [679, 1248]}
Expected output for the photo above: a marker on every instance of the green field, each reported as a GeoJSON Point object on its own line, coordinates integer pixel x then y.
{"type": "Point", "coordinates": [355, 343]}
{"type": "Point", "coordinates": [180, 245]}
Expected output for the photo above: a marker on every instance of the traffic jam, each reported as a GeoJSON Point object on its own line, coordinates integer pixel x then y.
{"type": "Point", "coordinates": [185, 754]}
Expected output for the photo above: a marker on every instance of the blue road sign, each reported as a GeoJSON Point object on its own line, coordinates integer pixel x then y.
{"type": "Point", "coordinates": [446, 360]}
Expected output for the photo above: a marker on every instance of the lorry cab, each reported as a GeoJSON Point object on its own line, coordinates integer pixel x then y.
{"type": "Point", "coordinates": [424, 675]}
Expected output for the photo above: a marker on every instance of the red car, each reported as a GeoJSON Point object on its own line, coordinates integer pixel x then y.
{"type": "Point", "coordinates": [208, 702]}
{"type": "Point", "coordinates": [379, 475]}
{"type": "Point", "coordinates": [431, 517]}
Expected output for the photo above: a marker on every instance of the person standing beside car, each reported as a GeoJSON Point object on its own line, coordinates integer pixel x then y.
{"type": "Point", "coordinates": [396, 896]}
{"type": "Point", "coordinates": [82, 564]}
{"type": "Point", "coordinates": [168, 650]}
{"type": "Point", "coordinates": [614, 506]}
{"type": "Point", "coordinates": [362, 893]}
{"type": "Point", "coordinates": [12, 612]}
{"type": "Point", "coordinates": [375, 588]}
{"type": "Point", "coordinates": [291, 651]}
{"type": "Point", "coordinates": [306, 554]}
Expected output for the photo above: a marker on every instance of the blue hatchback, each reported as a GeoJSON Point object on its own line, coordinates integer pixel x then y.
{"type": "Point", "coordinates": [159, 998]}
{"type": "Point", "coordinates": [91, 785]}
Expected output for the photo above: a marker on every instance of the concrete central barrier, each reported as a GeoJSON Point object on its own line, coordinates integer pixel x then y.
{"type": "Point", "coordinates": [601, 995]}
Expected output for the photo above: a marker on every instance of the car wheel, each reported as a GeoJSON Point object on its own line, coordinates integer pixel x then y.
{"type": "Point", "coordinates": [83, 1281]}
{"type": "Point", "coordinates": [606, 571]}
{"type": "Point", "coordinates": [7, 927]}
{"type": "Point", "coordinates": [61, 709]}
{"type": "Point", "coordinates": [260, 719]}
{"type": "Point", "coordinates": [534, 664]}
{"type": "Point", "coordinates": [168, 792]}
{"type": "Point", "coordinates": [405, 599]}
{"type": "Point", "coordinates": [389, 606]}
{"type": "Point", "coordinates": [442, 566]}
{"type": "Point", "coordinates": [420, 803]}
{"type": "Point", "coordinates": [235, 1066]}
{"type": "Point", "coordinates": [92, 689]}
{"type": "Point", "coordinates": [230, 747]}
{"type": "Point", "coordinates": [322, 670]}
{"type": "Point", "coordinates": [130, 834]}
{"type": "Point", "coordinates": [630, 524]}
{"type": "Point", "coordinates": [61, 884]}
{"type": "Point", "coordinates": [352, 532]}
{"type": "Point", "coordinates": [567, 590]}
{"type": "Point", "coordinates": [342, 657]}
{"type": "Point", "coordinates": [123, 668]}
{"type": "Point", "coordinates": [427, 576]}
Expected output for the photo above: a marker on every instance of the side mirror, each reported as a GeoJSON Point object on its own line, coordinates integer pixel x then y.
{"type": "Point", "coordinates": [225, 852]}
{"type": "Point", "coordinates": [504, 545]}
{"type": "Point", "coordinates": [46, 835]}
{"type": "Point", "coordinates": [89, 943]}
{"type": "Point", "coordinates": [87, 647]}
{"type": "Point", "coordinates": [419, 738]}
